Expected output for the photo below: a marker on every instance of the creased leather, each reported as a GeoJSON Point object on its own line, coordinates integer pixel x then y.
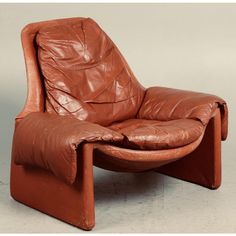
{"type": "Point", "coordinates": [154, 135]}
{"type": "Point", "coordinates": [75, 69]}
{"type": "Point", "coordinates": [85, 75]}
{"type": "Point", "coordinates": [122, 159]}
{"type": "Point", "coordinates": [35, 100]}
{"type": "Point", "coordinates": [50, 141]}
{"type": "Point", "coordinates": [169, 104]}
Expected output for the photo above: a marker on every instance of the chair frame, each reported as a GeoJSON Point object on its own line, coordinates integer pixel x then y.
{"type": "Point", "coordinates": [74, 204]}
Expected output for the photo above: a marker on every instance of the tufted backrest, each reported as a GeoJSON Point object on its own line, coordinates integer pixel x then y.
{"type": "Point", "coordinates": [84, 73]}
{"type": "Point", "coordinates": [35, 100]}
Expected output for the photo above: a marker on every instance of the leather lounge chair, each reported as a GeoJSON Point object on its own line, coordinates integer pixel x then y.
{"type": "Point", "coordinates": [84, 107]}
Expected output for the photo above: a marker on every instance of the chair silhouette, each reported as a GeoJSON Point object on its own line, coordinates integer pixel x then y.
{"type": "Point", "coordinates": [85, 107]}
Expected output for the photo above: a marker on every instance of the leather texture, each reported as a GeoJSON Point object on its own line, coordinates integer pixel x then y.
{"type": "Point", "coordinates": [42, 190]}
{"type": "Point", "coordinates": [86, 78]}
{"type": "Point", "coordinates": [168, 104]}
{"type": "Point", "coordinates": [55, 139]}
{"type": "Point", "coordinates": [50, 141]}
{"type": "Point", "coordinates": [203, 165]}
{"type": "Point", "coordinates": [154, 135]}
{"type": "Point", "coordinates": [77, 73]}
{"type": "Point", "coordinates": [85, 75]}
{"type": "Point", "coordinates": [35, 100]}
{"type": "Point", "coordinates": [122, 159]}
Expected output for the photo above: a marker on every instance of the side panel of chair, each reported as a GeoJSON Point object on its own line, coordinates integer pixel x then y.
{"type": "Point", "coordinates": [41, 190]}
{"type": "Point", "coordinates": [202, 166]}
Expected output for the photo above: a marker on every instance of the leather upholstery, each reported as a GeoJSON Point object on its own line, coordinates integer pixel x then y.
{"type": "Point", "coordinates": [78, 76]}
{"type": "Point", "coordinates": [51, 141]}
{"type": "Point", "coordinates": [35, 100]}
{"type": "Point", "coordinates": [122, 159]}
{"type": "Point", "coordinates": [48, 148]}
{"type": "Point", "coordinates": [154, 135]}
{"type": "Point", "coordinates": [85, 75]}
{"type": "Point", "coordinates": [168, 104]}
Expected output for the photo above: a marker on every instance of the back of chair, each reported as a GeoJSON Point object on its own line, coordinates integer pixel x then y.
{"type": "Point", "coordinates": [35, 101]}
{"type": "Point", "coordinates": [39, 75]}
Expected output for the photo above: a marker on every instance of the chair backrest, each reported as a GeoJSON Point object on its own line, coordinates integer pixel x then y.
{"type": "Point", "coordinates": [83, 72]}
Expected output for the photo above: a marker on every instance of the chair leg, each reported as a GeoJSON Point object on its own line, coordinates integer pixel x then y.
{"type": "Point", "coordinates": [202, 166]}
{"type": "Point", "coordinates": [41, 190]}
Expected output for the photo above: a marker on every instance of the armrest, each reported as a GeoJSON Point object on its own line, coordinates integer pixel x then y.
{"type": "Point", "coordinates": [168, 104]}
{"type": "Point", "coordinates": [50, 141]}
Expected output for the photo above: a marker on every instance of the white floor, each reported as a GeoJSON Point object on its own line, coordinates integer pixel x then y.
{"type": "Point", "coordinates": [146, 202]}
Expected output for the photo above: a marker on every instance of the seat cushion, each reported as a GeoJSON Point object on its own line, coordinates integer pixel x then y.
{"type": "Point", "coordinates": [85, 75]}
{"type": "Point", "coordinates": [153, 135]}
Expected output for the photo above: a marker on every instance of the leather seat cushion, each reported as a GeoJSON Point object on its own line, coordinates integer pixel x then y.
{"type": "Point", "coordinates": [154, 135]}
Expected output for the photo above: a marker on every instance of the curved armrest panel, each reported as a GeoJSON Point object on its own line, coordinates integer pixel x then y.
{"type": "Point", "coordinates": [50, 142]}
{"type": "Point", "coordinates": [168, 104]}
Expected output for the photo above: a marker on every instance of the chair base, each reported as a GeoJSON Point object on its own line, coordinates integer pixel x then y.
{"type": "Point", "coordinates": [39, 189]}
{"type": "Point", "coordinates": [203, 165]}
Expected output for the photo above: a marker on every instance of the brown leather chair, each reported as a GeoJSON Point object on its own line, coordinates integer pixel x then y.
{"type": "Point", "coordinates": [85, 107]}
